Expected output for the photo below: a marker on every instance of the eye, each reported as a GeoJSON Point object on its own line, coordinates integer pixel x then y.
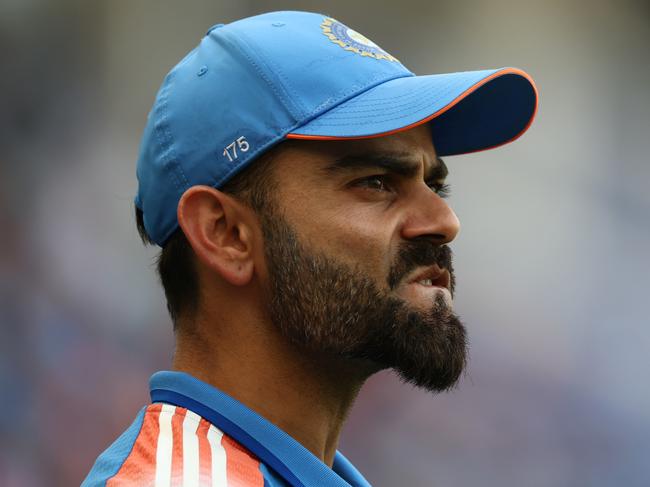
{"type": "Point", "coordinates": [377, 182]}
{"type": "Point", "coordinates": [441, 189]}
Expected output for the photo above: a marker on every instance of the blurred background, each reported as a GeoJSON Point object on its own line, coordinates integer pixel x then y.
{"type": "Point", "coordinates": [552, 263]}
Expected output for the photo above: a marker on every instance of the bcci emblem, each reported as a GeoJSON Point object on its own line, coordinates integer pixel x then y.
{"type": "Point", "coordinates": [351, 40]}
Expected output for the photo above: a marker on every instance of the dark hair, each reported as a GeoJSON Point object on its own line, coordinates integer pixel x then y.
{"type": "Point", "coordinates": [176, 263]}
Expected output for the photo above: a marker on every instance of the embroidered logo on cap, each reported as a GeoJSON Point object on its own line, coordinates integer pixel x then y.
{"type": "Point", "coordinates": [351, 40]}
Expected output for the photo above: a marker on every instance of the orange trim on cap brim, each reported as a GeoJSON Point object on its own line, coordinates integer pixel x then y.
{"type": "Point", "coordinates": [456, 100]}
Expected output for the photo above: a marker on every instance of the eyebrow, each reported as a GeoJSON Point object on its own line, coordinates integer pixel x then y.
{"type": "Point", "coordinates": [401, 163]}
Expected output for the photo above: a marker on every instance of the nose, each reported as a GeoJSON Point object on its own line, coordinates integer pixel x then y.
{"type": "Point", "coordinates": [430, 216]}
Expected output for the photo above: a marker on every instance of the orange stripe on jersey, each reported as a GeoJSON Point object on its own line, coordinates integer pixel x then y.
{"type": "Point", "coordinates": [243, 469]}
{"type": "Point", "coordinates": [177, 447]}
{"type": "Point", "coordinates": [205, 455]}
{"type": "Point", "coordinates": [139, 466]}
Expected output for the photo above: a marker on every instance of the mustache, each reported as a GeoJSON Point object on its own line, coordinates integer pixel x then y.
{"type": "Point", "coordinates": [421, 253]}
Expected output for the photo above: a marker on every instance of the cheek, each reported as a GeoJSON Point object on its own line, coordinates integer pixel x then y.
{"type": "Point", "coordinates": [361, 234]}
{"type": "Point", "coordinates": [360, 239]}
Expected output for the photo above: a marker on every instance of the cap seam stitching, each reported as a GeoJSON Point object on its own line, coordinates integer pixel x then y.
{"type": "Point", "coordinates": [284, 98]}
{"type": "Point", "coordinates": [449, 88]}
{"type": "Point", "coordinates": [389, 100]}
{"type": "Point", "coordinates": [165, 139]}
{"type": "Point", "coordinates": [412, 109]}
{"type": "Point", "coordinates": [356, 90]}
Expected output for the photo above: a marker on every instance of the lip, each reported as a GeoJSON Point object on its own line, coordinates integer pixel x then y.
{"type": "Point", "coordinates": [439, 277]}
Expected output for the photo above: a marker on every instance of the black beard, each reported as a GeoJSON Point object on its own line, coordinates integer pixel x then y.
{"type": "Point", "coordinates": [326, 306]}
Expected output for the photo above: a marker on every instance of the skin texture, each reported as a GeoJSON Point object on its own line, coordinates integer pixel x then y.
{"type": "Point", "coordinates": [234, 341]}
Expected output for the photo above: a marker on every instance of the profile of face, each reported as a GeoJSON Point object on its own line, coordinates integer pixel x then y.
{"type": "Point", "coordinates": [358, 264]}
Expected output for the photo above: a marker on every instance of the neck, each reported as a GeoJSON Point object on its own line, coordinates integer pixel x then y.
{"type": "Point", "coordinates": [306, 395]}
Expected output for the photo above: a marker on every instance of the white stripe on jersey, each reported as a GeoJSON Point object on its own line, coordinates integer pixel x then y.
{"type": "Point", "coordinates": [219, 478]}
{"type": "Point", "coordinates": [190, 450]}
{"type": "Point", "coordinates": [164, 447]}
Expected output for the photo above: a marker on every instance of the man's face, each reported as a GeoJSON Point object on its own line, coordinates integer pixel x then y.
{"type": "Point", "coordinates": [358, 266]}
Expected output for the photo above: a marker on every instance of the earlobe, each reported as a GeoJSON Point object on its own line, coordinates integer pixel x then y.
{"type": "Point", "coordinates": [217, 226]}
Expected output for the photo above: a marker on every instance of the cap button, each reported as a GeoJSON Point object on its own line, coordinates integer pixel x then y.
{"type": "Point", "coordinates": [213, 27]}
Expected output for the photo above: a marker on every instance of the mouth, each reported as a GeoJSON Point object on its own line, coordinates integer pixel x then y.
{"type": "Point", "coordinates": [425, 285]}
{"type": "Point", "coordinates": [432, 277]}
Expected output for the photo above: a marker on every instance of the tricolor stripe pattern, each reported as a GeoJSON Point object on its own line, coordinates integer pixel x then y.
{"type": "Point", "coordinates": [178, 448]}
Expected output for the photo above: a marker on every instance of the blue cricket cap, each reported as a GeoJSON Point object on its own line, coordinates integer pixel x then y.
{"type": "Point", "coordinates": [252, 83]}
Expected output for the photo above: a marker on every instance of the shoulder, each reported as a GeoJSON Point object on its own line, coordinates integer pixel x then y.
{"type": "Point", "coordinates": [169, 445]}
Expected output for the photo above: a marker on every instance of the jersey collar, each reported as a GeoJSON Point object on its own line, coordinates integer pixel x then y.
{"type": "Point", "coordinates": [275, 448]}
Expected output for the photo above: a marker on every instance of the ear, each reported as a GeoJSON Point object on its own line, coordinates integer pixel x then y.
{"type": "Point", "coordinates": [219, 229]}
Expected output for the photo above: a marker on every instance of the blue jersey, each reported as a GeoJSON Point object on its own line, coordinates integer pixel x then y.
{"type": "Point", "coordinates": [193, 435]}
